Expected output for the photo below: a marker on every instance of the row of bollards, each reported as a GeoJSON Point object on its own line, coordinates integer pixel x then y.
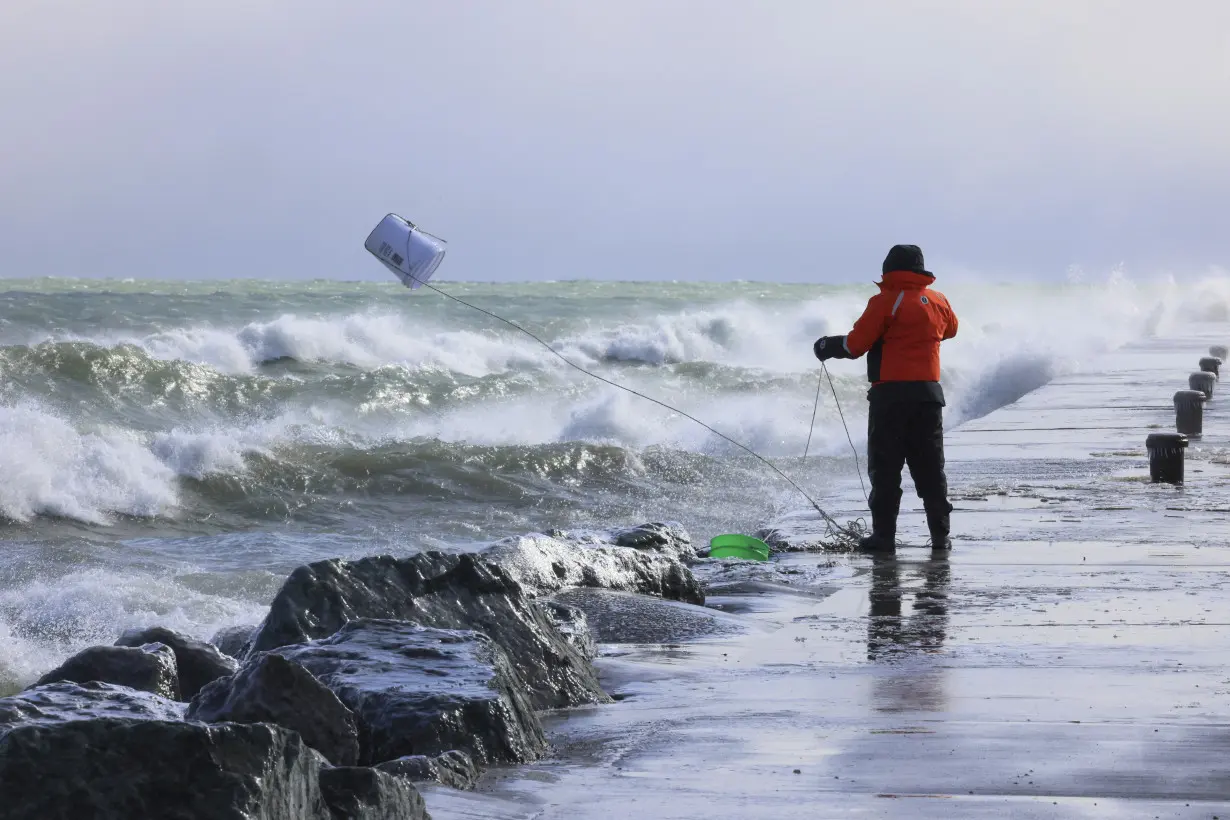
{"type": "Point", "coordinates": [1166, 449]}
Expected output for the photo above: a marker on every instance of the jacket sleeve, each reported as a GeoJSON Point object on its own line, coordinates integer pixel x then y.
{"type": "Point", "coordinates": [950, 328]}
{"type": "Point", "coordinates": [869, 327]}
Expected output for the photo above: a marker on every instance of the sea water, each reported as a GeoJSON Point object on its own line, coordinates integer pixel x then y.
{"type": "Point", "coordinates": [170, 450]}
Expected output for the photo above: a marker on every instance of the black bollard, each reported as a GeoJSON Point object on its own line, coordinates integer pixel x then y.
{"type": "Point", "coordinates": [1166, 457]}
{"type": "Point", "coordinates": [1203, 382]}
{"type": "Point", "coordinates": [1189, 412]}
{"type": "Point", "coordinates": [1211, 364]}
{"type": "Point", "coordinates": [1220, 351]}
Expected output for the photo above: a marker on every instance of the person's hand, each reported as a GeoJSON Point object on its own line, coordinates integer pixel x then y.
{"type": "Point", "coordinates": [828, 347]}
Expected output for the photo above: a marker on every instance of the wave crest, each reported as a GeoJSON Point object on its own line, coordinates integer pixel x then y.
{"type": "Point", "coordinates": [54, 469]}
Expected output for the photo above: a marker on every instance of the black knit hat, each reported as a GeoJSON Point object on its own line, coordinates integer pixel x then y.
{"type": "Point", "coordinates": [905, 257]}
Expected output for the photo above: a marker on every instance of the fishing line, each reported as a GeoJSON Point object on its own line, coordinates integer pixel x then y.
{"type": "Point", "coordinates": [858, 467]}
{"type": "Point", "coordinates": [840, 535]}
{"type": "Point", "coordinates": [814, 408]}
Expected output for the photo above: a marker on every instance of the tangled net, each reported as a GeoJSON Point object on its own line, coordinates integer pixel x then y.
{"type": "Point", "coordinates": [842, 537]}
{"type": "Point", "coordinates": [836, 537]}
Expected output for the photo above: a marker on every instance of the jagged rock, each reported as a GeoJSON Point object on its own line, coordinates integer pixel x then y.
{"type": "Point", "coordinates": [573, 625]}
{"type": "Point", "coordinates": [232, 640]}
{"type": "Point", "coordinates": [454, 769]}
{"type": "Point", "coordinates": [198, 662]}
{"type": "Point", "coordinates": [546, 564]}
{"type": "Point", "coordinates": [442, 590]}
{"type": "Point", "coordinates": [669, 539]}
{"type": "Point", "coordinates": [355, 793]}
{"type": "Point", "coordinates": [416, 690]}
{"type": "Point", "coordinates": [121, 769]}
{"type": "Point", "coordinates": [149, 668]}
{"type": "Point", "coordinates": [272, 689]}
{"type": "Point", "coordinates": [65, 701]}
{"type": "Point", "coordinates": [622, 617]}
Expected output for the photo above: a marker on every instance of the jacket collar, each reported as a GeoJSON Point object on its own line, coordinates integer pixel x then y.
{"type": "Point", "coordinates": [905, 279]}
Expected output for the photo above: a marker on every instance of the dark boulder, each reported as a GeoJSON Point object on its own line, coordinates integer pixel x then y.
{"type": "Point", "coordinates": [354, 793]}
{"type": "Point", "coordinates": [65, 701]}
{"type": "Point", "coordinates": [454, 769]}
{"type": "Point", "coordinates": [425, 691]}
{"type": "Point", "coordinates": [198, 662]}
{"type": "Point", "coordinates": [233, 640]}
{"type": "Point", "coordinates": [272, 689]}
{"type": "Point", "coordinates": [573, 625]}
{"type": "Point", "coordinates": [441, 590]}
{"type": "Point", "coordinates": [149, 668]}
{"type": "Point", "coordinates": [669, 539]}
{"type": "Point", "coordinates": [545, 564]}
{"type": "Point", "coordinates": [120, 769]}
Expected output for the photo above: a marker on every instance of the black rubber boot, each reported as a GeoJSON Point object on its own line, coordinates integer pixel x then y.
{"type": "Point", "coordinates": [885, 504]}
{"type": "Point", "coordinates": [878, 543]}
{"type": "Point", "coordinates": [883, 537]}
{"type": "Point", "coordinates": [938, 512]}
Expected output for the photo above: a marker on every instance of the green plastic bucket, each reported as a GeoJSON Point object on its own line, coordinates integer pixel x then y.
{"type": "Point", "coordinates": [738, 546]}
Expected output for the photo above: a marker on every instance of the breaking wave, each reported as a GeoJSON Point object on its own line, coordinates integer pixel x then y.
{"type": "Point", "coordinates": [102, 423]}
{"type": "Point", "coordinates": [54, 468]}
{"type": "Point", "coordinates": [43, 622]}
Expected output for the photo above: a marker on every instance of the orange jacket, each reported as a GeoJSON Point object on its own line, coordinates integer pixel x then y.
{"type": "Point", "coordinates": [902, 328]}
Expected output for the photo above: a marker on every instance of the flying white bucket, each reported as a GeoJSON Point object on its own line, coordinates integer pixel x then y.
{"type": "Point", "coordinates": [407, 250]}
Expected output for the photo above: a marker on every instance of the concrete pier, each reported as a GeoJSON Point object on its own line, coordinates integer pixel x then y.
{"type": "Point", "coordinates": [1070, 659]}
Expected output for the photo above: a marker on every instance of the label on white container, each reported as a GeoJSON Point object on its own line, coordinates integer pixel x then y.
{"type": "Point", "coordinates": [407, 250]}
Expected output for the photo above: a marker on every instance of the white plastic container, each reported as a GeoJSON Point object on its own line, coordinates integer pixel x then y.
{"type": "Point", "coordinates": [407, 250]}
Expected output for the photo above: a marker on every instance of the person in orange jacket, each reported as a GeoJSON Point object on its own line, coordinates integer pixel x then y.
{"type": "Point", "coordinates": [900, 333]}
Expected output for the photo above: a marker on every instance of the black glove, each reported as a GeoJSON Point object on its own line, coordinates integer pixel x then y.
{"type": "Point", "coordinates": [830, 347]}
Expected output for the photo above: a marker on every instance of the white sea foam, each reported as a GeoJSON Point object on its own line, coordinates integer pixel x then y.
{"type": "Point", "coordinates": [197, 454]}
{"type": "Point", "coordinates": [44, 620]}
{"type": "Point", "coordinates": [1012, 340]}
{"type": "Point", "coordinates": [51, 467]}
{"type": "Point", "coordinates": [364, 341]}
{"type": "Point", "coordinates": [58, 467]}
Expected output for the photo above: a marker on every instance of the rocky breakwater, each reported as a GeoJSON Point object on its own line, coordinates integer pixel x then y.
{"type": "Point", "coordinates": [107, 750]}
{"type": "Point", "coordinates": [441, 591]}
{"type": "Point", "coordinates": [417, 691]}
{"type": "Point", "coordinates": [364, 676]}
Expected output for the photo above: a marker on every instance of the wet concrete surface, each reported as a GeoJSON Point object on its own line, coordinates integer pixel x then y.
{"type": "Point", "coordinates": [628, 618]}
{"type": "Point", "coordinates": [1069, 659]}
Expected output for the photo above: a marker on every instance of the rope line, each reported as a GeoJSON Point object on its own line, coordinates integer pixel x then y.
{"type": "Point", "coordinates": [838, 535]}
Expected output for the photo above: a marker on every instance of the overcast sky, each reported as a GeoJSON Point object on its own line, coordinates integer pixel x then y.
{"type": "Point", "coordinates": [635, 139]}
